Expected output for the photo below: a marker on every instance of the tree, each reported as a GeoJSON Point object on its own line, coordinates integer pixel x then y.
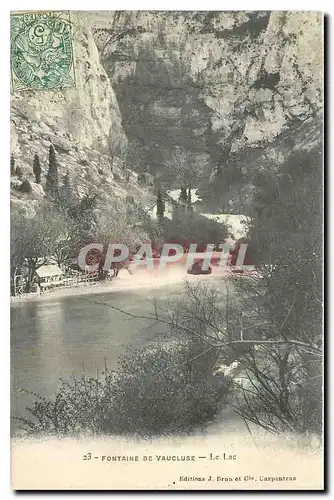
{"type": "Point", "coordinates": [78, 217]}
{"type": "Point", "coordinates": [19, 172]}
{"type": "Point", "coordinates": [65, 198]}
{"type": "Point", "coordinates": [51, 186]}
{"type": "Point", "coordinates": [191, 227]}
{"type": "Point", "coordinates": [187, 168]}
{"type": "Point", "coordinates": [189, 200]}
{"type": "Point", "coordinates": [33, 242]}
{"type": "Point", "coordinates": [271, 326]}
{"type": "Point", "coordinates": [145, 179]}
{"type": "Point", "coordinates": [127, 226]}
{"type": "Point", "coordinates": [183, 196]}
{"type": "Point", "coordinates": [37, 169]}
{"type": "Point", "coordinates": [228, 174]}
{"type": "Point", "coordinates": [279, 387]}
{"type": "Point", "coordinates": [286, 231]}
{"type": "Point", "coordinates": [12, 164]}
{"type": "Point", "coordinates": [160, 206]}
{"type": "Point", "coordinates": [17, 244]}
{"type": "Point", "coordinates": [68, 240]}
{"type": "Point", "coordinates": [82, 212]}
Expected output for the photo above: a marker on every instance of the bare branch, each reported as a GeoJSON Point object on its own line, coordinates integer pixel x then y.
{"type": "Point", "coordinates": [314, 348]}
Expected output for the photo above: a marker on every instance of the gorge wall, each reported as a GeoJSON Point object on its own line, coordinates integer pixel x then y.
{"type": "Point", "coordinates": [213, 83]}
{"type": "Point", "coordinates": [84, 125]}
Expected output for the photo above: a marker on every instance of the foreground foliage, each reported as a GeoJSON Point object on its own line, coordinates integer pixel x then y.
{"type": "Point", "coordinates": [155, 390]}
{"type": "Point", "coordinates": [286, 233]}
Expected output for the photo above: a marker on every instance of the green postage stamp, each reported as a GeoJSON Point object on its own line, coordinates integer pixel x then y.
{"type": "Point", "coordinates": [41, 51]}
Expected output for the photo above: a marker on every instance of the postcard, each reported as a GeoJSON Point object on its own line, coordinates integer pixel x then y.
{"type": "Point", "coordinates": [166, 274]}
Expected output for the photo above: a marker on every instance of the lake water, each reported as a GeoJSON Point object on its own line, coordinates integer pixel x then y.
{"type": "Point", "coordinates": [56, 337]}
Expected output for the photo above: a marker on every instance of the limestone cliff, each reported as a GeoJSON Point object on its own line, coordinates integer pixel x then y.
{"type": "Point", "coordinates": [214, 83]}
{"type": "Point", "coordinates": [83, 123]}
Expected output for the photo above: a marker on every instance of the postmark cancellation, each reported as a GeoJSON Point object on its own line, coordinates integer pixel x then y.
{"type": "Point", "coordinates": [41, 51]}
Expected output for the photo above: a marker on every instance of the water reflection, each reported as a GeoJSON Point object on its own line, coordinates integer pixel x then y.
{"type": "Point", "coordinates": [54, 338]}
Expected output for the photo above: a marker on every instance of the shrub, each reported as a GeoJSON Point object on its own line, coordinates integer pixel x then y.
{"type": "Point", "coordinates": [74, 409]}
{"type": "Point", "coordinates": [159, 390]}
{"type": "Point", "coordinates": [26, 187]}
{"type": "Point", "coordinates": [145, 179]}
{"type": "Point", "coordinates": [156, 390]}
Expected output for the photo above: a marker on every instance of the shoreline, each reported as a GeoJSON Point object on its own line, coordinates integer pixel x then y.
{"type": "Point", "coordinates": [126, 282]}
{"type": "Point", "coordinates": [122, 283]}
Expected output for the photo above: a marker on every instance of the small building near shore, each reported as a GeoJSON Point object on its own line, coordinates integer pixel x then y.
{"type": "Point", "coordinates": [49, 275]}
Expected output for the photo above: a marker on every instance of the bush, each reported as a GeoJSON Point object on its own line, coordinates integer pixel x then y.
{"type": "Point", "coordinates": [145, 179]}
{"type": "Point", "coordinates": [26, 187]}
{"type": "Point", "coordinates": [156, 390]}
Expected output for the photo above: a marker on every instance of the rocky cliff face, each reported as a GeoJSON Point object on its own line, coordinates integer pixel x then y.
{"type": "Point", "coordinates": [210, 82]}
{"type": "Point", "coordinates": [83, 123]}
{"type": "Point", "coordinates": [213, 83]}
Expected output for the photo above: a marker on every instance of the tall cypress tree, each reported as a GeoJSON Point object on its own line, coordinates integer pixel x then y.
{"type": "Point", "coordinates": [160, 206]}
{"type": "Point", "coordinates": [18, 172]}
{"type": "Point", "coordinates": [189, 200]}
{"type": "Point", "coordinates": [37, 169]}
{"type": "Point", "coordinates": [183, 196]}
{"type": "Point", "coordinates": [51, 186]}
{"type": "Point", "coordinates": [12, 164]}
